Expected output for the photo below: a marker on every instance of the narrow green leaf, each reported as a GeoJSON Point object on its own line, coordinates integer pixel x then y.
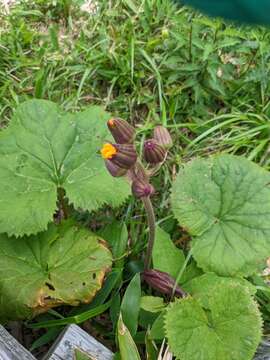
{"type": "Point", "coordinates": [131, 5]}
{"type": "Point", "coordinates": [151, 350]}
{"type": "Point", "coordinates": [127, 346]}
{"type": "Point", "coordinates": [115, 309]}
{"type": "Point", "coordinates": [158, 330]}
{"type": "Point", "coordinates": [130, 306]}
{"type": "Point", "coordinates": [49, 336]}
{"type": "Point", "coordinates": [77, 319]}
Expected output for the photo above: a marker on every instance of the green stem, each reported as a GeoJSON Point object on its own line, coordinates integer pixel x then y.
{"type": "Point", "coordinates": [152, 230]}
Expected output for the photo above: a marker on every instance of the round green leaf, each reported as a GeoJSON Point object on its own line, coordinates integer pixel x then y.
{"type": "Point", "coordinates": [224, 202]}
{"type": "Point", "coordinates": [228, 328]}
{"type": "Point", "coordinates": [64, 265]}
{"type": "Point", "coordinates": [43, 150]}
{"type": "Point", "coordinates": [201, 286]}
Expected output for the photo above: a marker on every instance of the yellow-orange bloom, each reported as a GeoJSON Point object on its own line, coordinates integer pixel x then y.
{"type": "Point", "coordinates": [108, 151]}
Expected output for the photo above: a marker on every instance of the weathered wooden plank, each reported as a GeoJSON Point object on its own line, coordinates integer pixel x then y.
{"type": "Point", "coordinates": [263, 351]}
{"type": "Point", "coordinates": [11, 349]}
{"type": "Point", "coordinates": [74, 337]}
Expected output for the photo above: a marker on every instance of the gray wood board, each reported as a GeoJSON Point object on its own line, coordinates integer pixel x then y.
{"type": "Point", "coordinates": [11, 349]}
{"type": "Point", "coordinates": [263, 351]}
{"type": "Point", "coordinates": [73, 337]}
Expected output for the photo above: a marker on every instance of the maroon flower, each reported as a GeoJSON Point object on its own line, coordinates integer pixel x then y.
{"type": "Point", "coordinates": [121, 130]}
{"type": "Point", "coordinates": [122, 155]}
{"type": "Point", "coordinates": [115, 170]}
{"type": "Point", "coordinates": [163, 137]}
{"type": "Point", "coordinates": [162, 282]}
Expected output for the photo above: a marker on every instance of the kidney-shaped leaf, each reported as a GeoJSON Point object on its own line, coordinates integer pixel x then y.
{"type": "Point", "coordinates": [224, 202]}
{"type": "Point", "coordinates": [64, 265]}
{"type": "Point", "coordinates": [229, 328]}
{"type": "Point", "coordinates": [43, 150]}
{"type": "Point", "coordinates": [203, 285]}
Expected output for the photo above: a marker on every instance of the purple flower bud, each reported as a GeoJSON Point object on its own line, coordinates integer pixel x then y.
{"type": "Point", "coordinates": [154, 153]}
{"type": "Point", "coordinates": [162, 282]}
{"type": "Point", "coordinates": [163, 137]}
{"type": "Point", "coordinates": [115, 170]}
{"type": "Point", "coordinates": [121, 130]}
{"type": "Point", "coordinates": [142, 188]}
{"type": "Point", "coordinates": [125, 156]}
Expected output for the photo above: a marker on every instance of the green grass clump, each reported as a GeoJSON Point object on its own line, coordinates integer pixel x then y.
{"type": "Point", "coordinates": [149, 61]}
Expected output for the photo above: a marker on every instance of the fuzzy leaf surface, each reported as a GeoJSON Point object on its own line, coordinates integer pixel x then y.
{"type": "Point", "coordinates": [64, 265]}
{"type": "Point", "coordinates": [226, 327]}
{"type": "Point", "coordinates": [224, 202]}
{"type": "Point", "coordinates": [203, 285]}
{"type": "Point", "coordinates": [43, 150]}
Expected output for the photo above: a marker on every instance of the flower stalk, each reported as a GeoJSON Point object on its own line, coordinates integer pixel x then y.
{"type": "Point", "coordinates": [152, 230]}
{"type": "Point", "coordinates": [121, 159]}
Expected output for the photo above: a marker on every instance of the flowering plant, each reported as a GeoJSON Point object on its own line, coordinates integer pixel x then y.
{"type": "Point", "coordinates": [121, 159]}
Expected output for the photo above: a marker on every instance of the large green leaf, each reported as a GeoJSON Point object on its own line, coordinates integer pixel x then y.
{"type": "Point", "coordinates": [64, 265]}
{"type": "Point", "coordinates": [224, 202]}
{"type": "Point", "coordinates": [226, 327]}
{"type": "Point", "coordinates": [201, 286]}
{"type": "Point", "coordinates": [44, 150]}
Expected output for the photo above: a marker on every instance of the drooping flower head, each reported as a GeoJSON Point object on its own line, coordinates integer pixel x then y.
{"type": "Point", "coordinates": [162, 282]}
{"type": "Point", "coordinates": [142, 188]}
{"type": "Point", "coordinates": [115, 170]}
{"type": "Point", "coordinates": [122, 155]}
{"type": "Point", "coordinates": [121, 130]}
{"type": "Point", "coordinates": [163, 137]}
{"type": "Point", "coordinates": [154, 153]}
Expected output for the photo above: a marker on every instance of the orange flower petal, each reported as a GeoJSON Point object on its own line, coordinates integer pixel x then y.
{"type": "Point", "coordinates": [108, 151]}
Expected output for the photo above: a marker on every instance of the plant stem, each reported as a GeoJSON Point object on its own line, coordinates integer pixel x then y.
{"type": "Point", "coordinates": [152, 230]}
{"type": "Point", "coordinates": [62, 204]}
